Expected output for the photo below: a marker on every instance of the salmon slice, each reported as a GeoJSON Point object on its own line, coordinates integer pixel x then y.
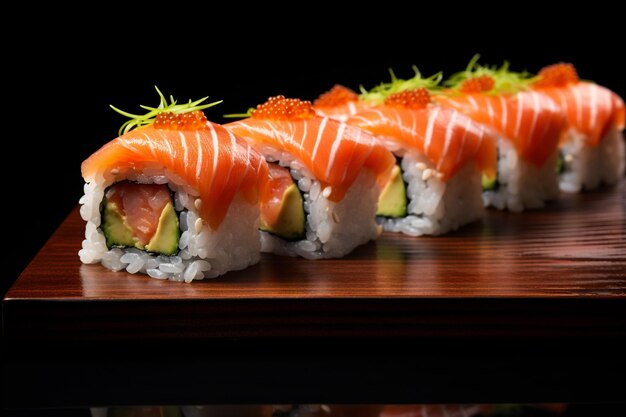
{"type": "Point", "coordinates": [333, 152]}
{"type": "Point", "coordinates": [208, 158]}
{"type": "Point", "coordinates": [502, 100]}
{"type": "Point", "coordinates": [590, 109]}
{"type": "Point", "coordinates": [445, 136]}
{"type": "Point", "coordinates": [531, 121]}
{"type": "Point", "coordinates": [141, 205]}
{"type": "Point", "coordinates": [281, 205]}
{"type": "Point", "coordinates": [338, 103]}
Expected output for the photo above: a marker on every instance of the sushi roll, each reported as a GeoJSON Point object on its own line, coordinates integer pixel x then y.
{"type": "Point", "coordinates": [592, 151]}
{"type": "Point", "coordinates": [436, 183]}
{"type": "Point", "coordinates": [175, 198]}
{"type": "Point", "coordinates": [529, 127]}
{"type": "Point", "coordinates": [325, 179]}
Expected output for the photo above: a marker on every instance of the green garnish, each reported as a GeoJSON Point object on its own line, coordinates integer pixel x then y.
{"type": "Point", "coordinates": [378, 94]}
{"type": "Point", "coordinates": [139, 120]}
{"type": "Point", "coordinates": [239, 115]}
{"type": "Point", "coordinates": [505, 80]}
{"type": "Point", "coordinates": [561, 166]}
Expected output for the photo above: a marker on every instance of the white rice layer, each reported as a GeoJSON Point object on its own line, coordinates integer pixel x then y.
{"type": "Point", "coordinates": [204, 253]}
{"type": "Point", "coordinates": [333, 229]}
{"type": "Point", "coordinates": [436, 206]}
{"type": "Point", "coordinates": [587, 167]}
{"type": "Point", "coordinates": [522, 185]}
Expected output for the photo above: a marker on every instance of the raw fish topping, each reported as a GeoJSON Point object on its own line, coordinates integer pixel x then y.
{"type": "Point", "coordinates": [410, 99]}
{"type": "Point", "coordinates": [336, 96]}
{"type": "Point", "coordinates": [184, 121]}
{"type": "Point", "coordinates": [557, 75]}
{"type": "Point", "coordinates": [281, 108]}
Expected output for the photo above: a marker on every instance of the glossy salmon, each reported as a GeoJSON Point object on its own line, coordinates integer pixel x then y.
{"type": "Point", "coordinates": [332, 151]}
{"type": "Point", "coordinates": [590, 109]}
{"type": "Point", "coordinates": [205, 156]}
{"type": "Point", "coordinates": [444, 135]}
{"type": "Point", "coordinates": [502, 100]}
{"type": "Point", "coordinates": [339, 103]}
{"type": "Point", "coordinates": [531, 121]}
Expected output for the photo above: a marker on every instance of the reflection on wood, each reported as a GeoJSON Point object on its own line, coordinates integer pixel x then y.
{"type": "Point", "coordinates": [571, 254]}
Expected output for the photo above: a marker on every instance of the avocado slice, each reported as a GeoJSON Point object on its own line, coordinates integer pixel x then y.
{"type": "Point", "coordinates": [393, 201]}
{"type": "Point", "coordinates": [165, 240]}
{"type": "Point", "coordinates": [118, 232]}
{"type": "Point", "coordinates": [490, 183]}
{"type": "Point", "coordinates": [561, 167]}
{"type": "Point", "coordinates": [290, 222]}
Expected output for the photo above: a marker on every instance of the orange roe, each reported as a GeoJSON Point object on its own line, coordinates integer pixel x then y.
{"type": "Point", "coordinates": [410, 99]}
{"type": "Point", "coordinates": [557, 75]}
{"type": "Point", "coordinates": [194, 120]}
{"type": "Point", "coordinates": [281, 108]}
{"type": "Point", "coordinates": [336, 96]}
{"type": "Point", "coordinates": [477, 84]}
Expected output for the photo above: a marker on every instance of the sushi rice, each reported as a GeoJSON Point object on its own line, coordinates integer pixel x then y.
{"type": "Point", "coordinates": [586, 167]}
{"type": "Point", "coordinates": [436, 206]}
{"type": "Point", "coordinates": [521, 184]}
{"type": "Point", "coordinates": [203, 253]}
{"type": "Point", "coordinates": [333, 229]}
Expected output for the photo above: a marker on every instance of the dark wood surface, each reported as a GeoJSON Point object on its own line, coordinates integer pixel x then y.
{"type": "Point", "coordinates": [510, 274]}
{"type": "Point", "coordinates": [526, 307]}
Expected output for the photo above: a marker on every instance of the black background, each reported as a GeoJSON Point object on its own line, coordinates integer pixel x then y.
{"type": "Point", "coordinates": [63, 68]}
{"type": "Point", "coordinates": [64, 74]}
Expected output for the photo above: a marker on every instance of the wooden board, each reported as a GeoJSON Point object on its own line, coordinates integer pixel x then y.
{"type": "Point", "coordinates": [511, 274]}
{"type": "Point", "coordinates": [526, 307]}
